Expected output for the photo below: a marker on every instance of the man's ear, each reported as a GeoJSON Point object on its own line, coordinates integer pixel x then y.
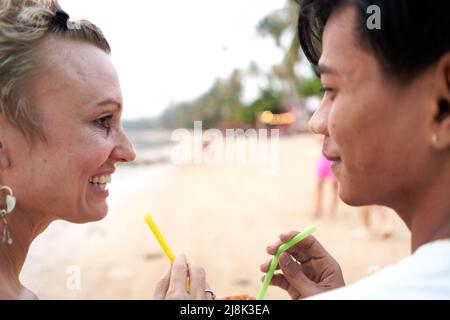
{"type": "Point", "coordinates": [441, 127]}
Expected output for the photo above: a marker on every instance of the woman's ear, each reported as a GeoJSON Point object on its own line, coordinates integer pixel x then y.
{"type": "Point", "coordinates": [441, 129]}
{"type": "Point", "coordinates": [4, 158]}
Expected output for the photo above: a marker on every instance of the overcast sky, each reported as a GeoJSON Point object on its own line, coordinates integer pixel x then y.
{"type": "Point", "coordinates": [171, 51]}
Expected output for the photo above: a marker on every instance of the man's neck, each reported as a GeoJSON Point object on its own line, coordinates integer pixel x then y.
{"type": "Point", "coordinates": [427, 213]}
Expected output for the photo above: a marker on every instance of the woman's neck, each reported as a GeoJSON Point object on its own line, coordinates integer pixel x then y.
{"type": "Point", "coordinates": [24, 228]}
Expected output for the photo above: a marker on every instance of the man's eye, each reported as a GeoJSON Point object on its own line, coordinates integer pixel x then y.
{"type": "Point", "coordinates": [325, 89]}
{"type": "Point", "coordinates": [104, 122]}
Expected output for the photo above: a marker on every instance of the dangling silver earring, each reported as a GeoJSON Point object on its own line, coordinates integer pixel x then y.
{"type": "Point", "coordinates": [10, 205]}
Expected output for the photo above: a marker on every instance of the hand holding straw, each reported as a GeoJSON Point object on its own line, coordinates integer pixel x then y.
{"type": "Point", "coordinates": [162, 242]}
{"type": "Point", "coordinates": [285, 246]}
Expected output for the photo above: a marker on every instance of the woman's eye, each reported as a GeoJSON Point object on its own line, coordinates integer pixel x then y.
{"type": "Point", "coordinates": [104, 122]}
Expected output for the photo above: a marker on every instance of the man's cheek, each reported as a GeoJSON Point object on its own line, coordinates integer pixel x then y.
{"type": "Point", "coordinates": [340, 125]}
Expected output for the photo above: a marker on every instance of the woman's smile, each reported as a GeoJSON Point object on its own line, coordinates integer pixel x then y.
{"type": "Point", "coordinates": [99, 183]}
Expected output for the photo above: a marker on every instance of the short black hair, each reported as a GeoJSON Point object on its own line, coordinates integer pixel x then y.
{"type": "Point", "coordinates": [414, 34]}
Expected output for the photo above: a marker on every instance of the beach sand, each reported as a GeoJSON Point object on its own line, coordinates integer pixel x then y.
{"type": "Point", "coordinates": [221, 216]}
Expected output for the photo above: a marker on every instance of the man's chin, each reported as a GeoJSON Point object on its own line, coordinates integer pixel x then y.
{"type": "Point", "coordinates": [354, 198]}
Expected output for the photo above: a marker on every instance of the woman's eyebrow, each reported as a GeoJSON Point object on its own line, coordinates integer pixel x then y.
{"type": "Point", "coordinates": [110, 102]}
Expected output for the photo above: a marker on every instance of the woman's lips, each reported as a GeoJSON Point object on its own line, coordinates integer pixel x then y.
{"type": "Point", "coordinates": [99, 190]}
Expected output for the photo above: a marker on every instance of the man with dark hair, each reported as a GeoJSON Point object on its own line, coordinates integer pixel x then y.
{"type": "Point", "coordinates": [386, 121]}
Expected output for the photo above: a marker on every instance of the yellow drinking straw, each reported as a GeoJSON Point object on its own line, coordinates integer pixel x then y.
{"type": "Point", "coordinates": [162, 242]}
{"type": "Point", "coordinates": [159, 237]}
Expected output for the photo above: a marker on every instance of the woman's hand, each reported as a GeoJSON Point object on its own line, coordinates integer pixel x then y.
{"type": "Point", "coordinates": [172, 285]}
{"type": "Point", "coordinates": [307, 268]}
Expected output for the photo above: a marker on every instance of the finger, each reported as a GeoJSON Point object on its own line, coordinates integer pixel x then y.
{"type": "Point", "coordinates": [307, 249]}
{"type": "Point", "coordinates": [197, 280]}
{"type": "Point", "coordinates": [162, 285]}
{"type": "Point", "coordinates": [293, 293]}
{"type": "Point", "coordinates": [279, 280]}
{"type": "Point", "coordinates": [296, 277]}
{"type": "Point", "coordinates": [284, 237]}
{"type": "Point", "coordinates": [208, 295]}
{"type": "Point", "coordinates": [179, 274]}
{"type": "Point", "coordinates": [307, 242]}
{"type": "Point", "coordinates": [272, 249]}
{"type": "Point", "coordinates": [266, 265]}
{"type": "Point", "coordinates": [303, 251]}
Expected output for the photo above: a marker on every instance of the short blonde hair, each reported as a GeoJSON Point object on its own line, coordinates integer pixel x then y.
{"type": "Point", "coordinates": [23, 26]}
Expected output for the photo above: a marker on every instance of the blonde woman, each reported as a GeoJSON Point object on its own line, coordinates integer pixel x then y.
{"type": "Point", "coordinates": [60, 128]}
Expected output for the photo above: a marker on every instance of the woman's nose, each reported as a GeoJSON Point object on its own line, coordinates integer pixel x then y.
{"type": "Point", "coordinates": [318, 123]}
{"type": "Point", "coordinates": [124, 151]}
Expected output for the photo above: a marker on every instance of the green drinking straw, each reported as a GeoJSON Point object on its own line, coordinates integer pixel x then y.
{"type": "Point", "coordinates": [285, 246]}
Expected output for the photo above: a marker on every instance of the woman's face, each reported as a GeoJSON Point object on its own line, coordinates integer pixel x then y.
{"type": "Point", "coordinates": [376, 132]}
{"type": "Point", "coordinates": [79, 105]}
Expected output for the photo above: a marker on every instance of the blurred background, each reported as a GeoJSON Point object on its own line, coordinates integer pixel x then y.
{"type": "Point", "coordinates": [231, 65]}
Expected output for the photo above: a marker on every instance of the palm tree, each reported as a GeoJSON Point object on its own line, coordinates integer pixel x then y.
{"type": "Point", "coordinates": [278, 24]}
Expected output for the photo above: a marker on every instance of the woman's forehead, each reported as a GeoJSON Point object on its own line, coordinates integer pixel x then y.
{"type": "Point", "coordinates": [76, 71]}
{"type": "Point", "coordinates": [77, 60]}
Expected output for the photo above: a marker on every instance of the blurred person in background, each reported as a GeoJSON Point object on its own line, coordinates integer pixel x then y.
{"type": "Point", "coordinates": [385, 116]}
{"type": "Point", "coordinates": [324, 174]}
{"type": "Point", "coordinates": [367, 230]}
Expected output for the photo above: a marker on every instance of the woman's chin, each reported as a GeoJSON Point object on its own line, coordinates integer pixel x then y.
{"type": "Point", "coordinates": [90, 215]}
{"type": "Point", "coordinates": [97, 215]}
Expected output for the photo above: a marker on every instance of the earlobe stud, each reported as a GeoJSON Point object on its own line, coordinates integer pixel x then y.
{"type": "Point", "coordinates": [434, 138]}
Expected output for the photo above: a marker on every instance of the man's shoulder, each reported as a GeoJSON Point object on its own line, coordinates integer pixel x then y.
{"type": "Point", "coordinates": [423, 275]}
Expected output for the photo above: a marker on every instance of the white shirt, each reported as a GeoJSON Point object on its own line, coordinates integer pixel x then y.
{"type": "Point", "coordinates": [423, 275]}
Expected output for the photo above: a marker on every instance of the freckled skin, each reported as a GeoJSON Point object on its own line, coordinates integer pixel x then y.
{"type": "Point", "coordinates": [51, 179]}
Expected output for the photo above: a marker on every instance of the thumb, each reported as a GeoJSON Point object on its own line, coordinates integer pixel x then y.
{"type": "Point", "coordinates": [296, 277]}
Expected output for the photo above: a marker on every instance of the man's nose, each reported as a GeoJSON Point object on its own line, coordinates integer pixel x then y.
{"type": "Point", "coordinates": [318, 123]}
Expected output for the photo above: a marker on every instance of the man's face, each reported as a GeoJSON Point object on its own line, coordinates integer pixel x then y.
{"type": "Point", "coordinates": [375, 130]}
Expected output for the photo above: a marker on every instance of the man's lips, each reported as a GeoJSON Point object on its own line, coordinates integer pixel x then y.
{"type": "Point", "coordinates": [330, 150]}
{"type": "Point", "coordinates": [331, 157]}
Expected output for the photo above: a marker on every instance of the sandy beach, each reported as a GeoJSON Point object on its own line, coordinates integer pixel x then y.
{"type": "Point", "coordinates": [221, 216]}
